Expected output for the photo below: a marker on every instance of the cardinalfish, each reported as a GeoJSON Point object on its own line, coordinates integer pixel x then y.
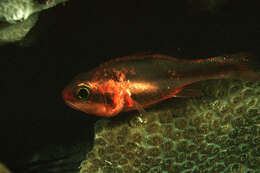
{"type": "Point", "coordinates": [135, 82]}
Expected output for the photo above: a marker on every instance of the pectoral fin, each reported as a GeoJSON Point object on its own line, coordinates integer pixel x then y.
{"type": "Point", "coordinates": [139, 108]}
{"type": "Point", "coordinates": [140, 119]}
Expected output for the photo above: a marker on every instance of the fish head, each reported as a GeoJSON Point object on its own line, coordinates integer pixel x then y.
{"type": "Point", "coordinates": [81, 96]}
{"type": "Point", "coordinates": [90, 98]}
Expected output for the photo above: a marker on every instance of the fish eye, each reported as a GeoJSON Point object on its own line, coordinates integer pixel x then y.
{"type": "Point", "coordinates": [83, 92]}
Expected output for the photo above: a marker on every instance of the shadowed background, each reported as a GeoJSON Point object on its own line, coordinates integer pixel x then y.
{"type": "Point", "coordinates": [37, 128]}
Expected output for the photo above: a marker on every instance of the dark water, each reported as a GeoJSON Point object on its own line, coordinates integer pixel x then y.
{"type": "Point", "coordinates": [35, 123]}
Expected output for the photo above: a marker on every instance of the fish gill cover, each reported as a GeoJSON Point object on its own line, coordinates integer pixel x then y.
{"type": "Point", "coordinates": [217, 132]}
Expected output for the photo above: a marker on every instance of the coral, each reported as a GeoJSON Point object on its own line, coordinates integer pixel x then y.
{"type": "Point", "coordinates": [18, 17]}
{"type": "Point", "coordinates": [14, 11]}
{"type": "Point", "coordinates": [16, 32]}
{"type": "Point", "coordinates": [216, 132]}
{"type": "Point", "coordinates": [3, 169]}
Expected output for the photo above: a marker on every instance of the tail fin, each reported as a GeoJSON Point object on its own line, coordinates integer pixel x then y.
{"type": "Point", "coordinates": [248, 66]}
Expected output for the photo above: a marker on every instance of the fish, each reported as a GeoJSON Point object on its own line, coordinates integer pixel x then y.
{"type": "Point", "coordinates": [138, 81]}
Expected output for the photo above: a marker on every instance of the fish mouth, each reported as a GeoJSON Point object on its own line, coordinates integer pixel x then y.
{"type": "Point", "coordinates": [66, 94]}
{"type": "Point", "coordinates": [70, 104]}
{"type": "Point", "coordinates": [67, 97]}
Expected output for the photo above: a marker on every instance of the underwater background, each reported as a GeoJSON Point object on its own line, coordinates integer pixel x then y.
{"type": "Point", "coordinates": [218, 131]}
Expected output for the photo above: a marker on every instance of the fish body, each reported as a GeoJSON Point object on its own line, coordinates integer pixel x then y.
{"type": "Point", "coordinates": [135, 82]}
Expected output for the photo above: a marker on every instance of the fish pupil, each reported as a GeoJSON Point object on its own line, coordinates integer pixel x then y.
{"type": "Point", "coordinates": [83, 93]}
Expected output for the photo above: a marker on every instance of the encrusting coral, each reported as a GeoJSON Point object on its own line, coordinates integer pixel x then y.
{"type": "Point", "coordinates": [218, 131]}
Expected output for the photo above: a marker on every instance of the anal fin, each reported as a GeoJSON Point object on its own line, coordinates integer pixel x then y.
{"type": "Point", "coordinates": [191, 90]}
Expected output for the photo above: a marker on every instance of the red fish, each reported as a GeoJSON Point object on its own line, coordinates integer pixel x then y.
{"type": "Point", "coordinates": [135, 82]}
